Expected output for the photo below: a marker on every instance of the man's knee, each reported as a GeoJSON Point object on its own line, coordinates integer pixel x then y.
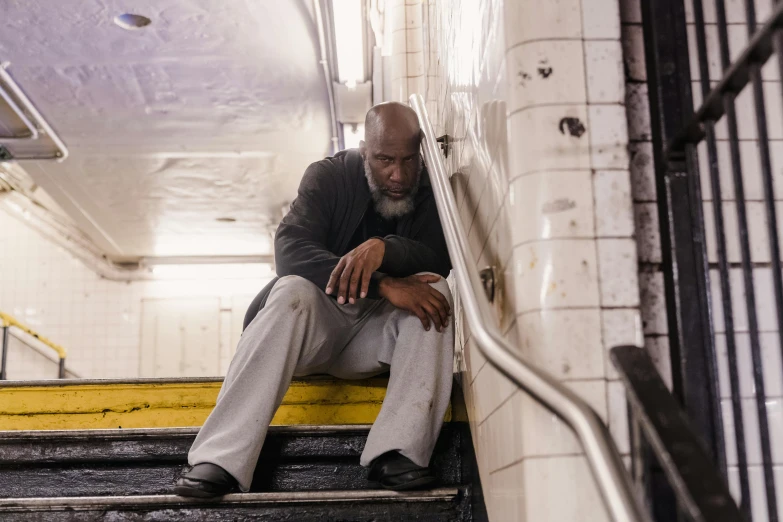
{"type": "Point", "coordinates": [297, 292]}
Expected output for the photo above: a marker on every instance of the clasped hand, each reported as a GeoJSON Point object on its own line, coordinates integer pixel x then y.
{"type": "Point", "coordinates": [414, 294]}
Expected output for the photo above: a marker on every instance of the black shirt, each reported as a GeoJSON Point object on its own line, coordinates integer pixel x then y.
{"type": "Point", "coordinates": [372, 225]}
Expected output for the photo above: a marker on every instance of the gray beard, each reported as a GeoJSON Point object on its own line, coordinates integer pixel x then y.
{"type": "Point", "coordinates": [387, 207]}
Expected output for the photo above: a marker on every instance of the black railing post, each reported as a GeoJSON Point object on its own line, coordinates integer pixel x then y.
{"type": "Point", "coordinates": [4, 354]}
{"type": "Point", "coordinates": [61, 372]}
{"type": "Point", "coordinates": [684, 263]}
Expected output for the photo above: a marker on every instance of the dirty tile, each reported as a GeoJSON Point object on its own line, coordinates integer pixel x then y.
{"type": "Point", "coordinates": [618, 416]}
{"type": "Point", "coordinates": [415, 65]}
{"type": "Point", "coordinates": [605, 78]}
{"type": "Point", "coordinates": [630, 11]}
{"type": "Point", "coordinates": [653, 303]}
{"type": "Point", "coordinates": [563, 342]}
{"type": "Point", "coordinates": [544, 434]}
{"type": "Point", "coordinates": [638, 107]}
{"type": "Point", "coordinates": [525, 21]}
{"type": "Point", "coordinates": [608, 137]}
{"type": "Point", "coordinates": [545, 73]}
{"type": "Point", "coordinates": [549, 205]}
{"type": "Point", "coordinates": [549, 138]}
{"type": "Point", "coordinates": [601, 19]}
{"type": "Point", "coordinates": [642, 171]}
{"type": "Point", "coordinates": [648, 235]}
{"type": "Point", "coordinates": [633, 53]}
{"type": "Point", "coordinates": [492, 389]}
{"type": "Point", "coordinates": [555, 274]}
{"type": "Point", "coordinates": [620, 327]}
{"type": "Point", "coordinates": [658, 348]}
{"type": "Point", "coordinates": [618, 272]}
{"type": "Point", "coordinates": [613, 206]}
{"type": "Point", "coordinates": [549, 480]}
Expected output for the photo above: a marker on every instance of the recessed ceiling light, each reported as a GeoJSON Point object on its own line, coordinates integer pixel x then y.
{"type": "Point", "coordinates": [226, 219]}
{"type": "Point", "coordinates": [132, 21]}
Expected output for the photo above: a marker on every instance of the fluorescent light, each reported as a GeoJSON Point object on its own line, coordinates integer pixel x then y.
{"type": "Point", "coordinates": [353, 134]}
{"type": "Point", "coordinates": [348, 30]}
{"type": "Point", "coordinates": [214, 271]}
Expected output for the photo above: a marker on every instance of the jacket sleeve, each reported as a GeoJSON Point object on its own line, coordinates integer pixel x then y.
{"type": "Point", "coordinates": [426, 252]}
{"type": "Point", "coordinates": [302, 237]}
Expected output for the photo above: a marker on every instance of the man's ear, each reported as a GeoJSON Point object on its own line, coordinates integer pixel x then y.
{"type": "Point", "coordinates": [363, 149]}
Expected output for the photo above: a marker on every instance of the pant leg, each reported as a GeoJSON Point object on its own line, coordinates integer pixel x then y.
{"type": "Point", "coordinates": [419, 390]}
{"type": "Point", "coordinates": [297, 332]}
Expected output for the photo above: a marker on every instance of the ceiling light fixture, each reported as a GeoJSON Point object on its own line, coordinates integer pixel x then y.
{"type": "Point", "coordinates": [132, 21]}
{"type": "Point", "coordinates": [349, 42]}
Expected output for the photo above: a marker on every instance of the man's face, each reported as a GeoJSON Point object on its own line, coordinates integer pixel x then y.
{"type": "Point", "coordinates": [393, 167]}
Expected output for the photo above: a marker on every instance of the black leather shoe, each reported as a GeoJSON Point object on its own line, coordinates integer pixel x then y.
{"type": "Point", "coordinates": [205, 481]}
{"type": "Point", "coordinates": [398, 473]}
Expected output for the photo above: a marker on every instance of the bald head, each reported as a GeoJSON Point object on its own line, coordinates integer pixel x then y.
{"type": "Point", "coordinates": [392, 139]}
{"type": "Point", "coordinates": [391, 120]}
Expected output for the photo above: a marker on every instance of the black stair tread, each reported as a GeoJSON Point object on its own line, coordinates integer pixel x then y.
{"type": "Point", "coordinates": [170, 444]}
{"type": "Point", "coordinates": [148, 461]}
{"type": "Point", "coordinates": [289, 497]}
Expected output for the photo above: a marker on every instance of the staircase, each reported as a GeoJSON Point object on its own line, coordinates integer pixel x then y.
{"type": "Point", "coordinates": [305, 472]}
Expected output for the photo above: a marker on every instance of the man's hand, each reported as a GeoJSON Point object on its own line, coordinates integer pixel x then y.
{"type": "Point", "coordinates": [415, 295]}
{"type": "Point", "coordinates": [354, 268]}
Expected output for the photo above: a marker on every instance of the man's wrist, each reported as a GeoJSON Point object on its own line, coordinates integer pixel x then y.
{"type": "Point", "coordinates": [383, 285]}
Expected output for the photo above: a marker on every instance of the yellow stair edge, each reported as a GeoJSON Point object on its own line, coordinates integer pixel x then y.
{"type": "Point", "coordinates": [169, 403]}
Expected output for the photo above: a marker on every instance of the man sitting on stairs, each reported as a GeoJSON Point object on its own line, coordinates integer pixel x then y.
{"type": "Point", "coordinates": [361, 258]}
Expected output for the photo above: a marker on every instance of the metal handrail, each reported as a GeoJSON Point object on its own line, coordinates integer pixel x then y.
{"type": "Point", "coordinates": [610, 473]}
{"type": "Point", "coordinates": [6, 322]}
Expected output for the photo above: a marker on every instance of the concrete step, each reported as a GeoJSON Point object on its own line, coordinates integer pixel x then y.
{"type": "Point", "coordinates": [147, 461]}
{"type": "Point", "coordinates": [445, 504]}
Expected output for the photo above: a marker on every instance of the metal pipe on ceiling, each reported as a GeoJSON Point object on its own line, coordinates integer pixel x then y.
{"type": "Point", "coordinates": [324, 61]}
{"type": "Point", "coordinates": [17, 92]}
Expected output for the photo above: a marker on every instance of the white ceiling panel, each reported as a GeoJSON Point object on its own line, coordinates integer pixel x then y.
{"type": "Point", "coordinates": [212, 111]}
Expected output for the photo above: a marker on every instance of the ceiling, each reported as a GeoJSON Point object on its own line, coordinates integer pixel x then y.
{"type": "Point", "coordinates": [209, 114]}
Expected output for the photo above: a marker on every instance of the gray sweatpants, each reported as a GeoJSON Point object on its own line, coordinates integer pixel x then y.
{"type": "Point", "coordinates": [302, 331]}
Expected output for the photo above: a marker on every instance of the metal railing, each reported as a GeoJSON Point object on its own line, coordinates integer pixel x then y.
{"type": "Point", "coordinates": [614, 481]}
{"type": "Point", "coordinates": [741, 210]}
{"type": "Point", "coordinates": [6, 323]}
{"type": "Point", "coordinates": [658, 425]}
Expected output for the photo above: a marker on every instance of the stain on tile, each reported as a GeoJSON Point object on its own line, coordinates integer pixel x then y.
{"type": "Point", "coordinates": [558, 205]}
{"type": "Point", "coordinates": [574, 126]}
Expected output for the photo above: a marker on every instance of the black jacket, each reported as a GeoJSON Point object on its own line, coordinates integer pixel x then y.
{"type": "Point", "coordinates": [333, 197]}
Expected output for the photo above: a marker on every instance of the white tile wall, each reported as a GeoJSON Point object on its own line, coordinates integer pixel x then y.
{"type": "Point", "coordinates": [534, 95]}
{"type": "Point", "coordinates": [96, 320]}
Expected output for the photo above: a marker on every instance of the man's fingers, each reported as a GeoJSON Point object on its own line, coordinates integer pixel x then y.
{"type": "Point", "coordinates": [335, 276]}
{"type": "Point", "coordinates": [345, 279]}
{"type": "Point", "coordinates": [441, 310]}
{"type": "Point", "coordinates": [442, 299]}
{"type": "Point", "coordinates": [366, 277]}
{"type": "Point", "coordinates": [354, 284]}
{"type": "Point", "coordinates": [425, 320]}
{"type": "Point", "coordinates": [432, 311]}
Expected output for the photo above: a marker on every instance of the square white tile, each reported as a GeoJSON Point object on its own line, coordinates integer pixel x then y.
{"type": "Point", "coordinates": [550, 205]}
{"type": "Point", "coordinates": [617, 264]}
{"type": "Point", "coordinates": [528, 21]}
{"type": "Point", "coordinates": [605, 77]}
{"type": "Point", "coordinates": [545, 73]}
{"type": "Point", "coordinates": [620, 327]}
{"type": "Point", "coordinates": [608, 137]}
{"type": "Point", "coordinates": [601, 19]}
{"type": "Point", "coordinates": [550, 480]}
{"type": "Point", "coordinates": [549, 138]}
{"type": "Point", "coordinates": [565, 343]}
{"type": "Point", "coordinates": [614, 216]}
{"type": "Point", "coordinates": [556, 274]}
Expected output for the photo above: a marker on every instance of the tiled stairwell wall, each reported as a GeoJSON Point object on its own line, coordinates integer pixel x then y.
{"type": "Point", "coordinates": [532, 95]}
{"type": "Point", "coordinates": [96, 320]}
